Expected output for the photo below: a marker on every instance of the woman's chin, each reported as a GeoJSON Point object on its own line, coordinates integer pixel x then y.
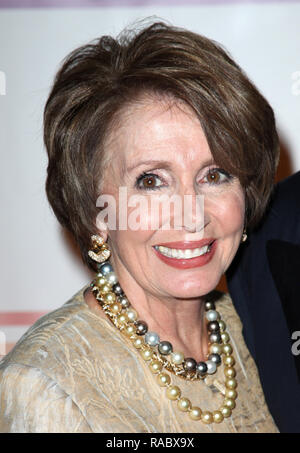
{"type": "Point", "coordinates": [191, 291]}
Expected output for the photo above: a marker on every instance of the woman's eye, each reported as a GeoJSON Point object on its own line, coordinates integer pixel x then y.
{"type": "Point", "coordinates": [147, 181]}
{"type": "Point", "coordinates": [217, 176]}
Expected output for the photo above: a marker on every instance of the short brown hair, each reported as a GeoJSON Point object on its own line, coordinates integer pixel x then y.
{"type": "Point", "coordinates": [99, 79]}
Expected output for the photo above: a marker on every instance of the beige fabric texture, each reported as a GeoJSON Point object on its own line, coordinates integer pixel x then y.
{"type": "Point", "coordinates": [73, 371]}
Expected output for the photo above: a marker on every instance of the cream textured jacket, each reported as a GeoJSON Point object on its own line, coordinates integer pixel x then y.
{"type": "Point", "coordinates": [73, 371]}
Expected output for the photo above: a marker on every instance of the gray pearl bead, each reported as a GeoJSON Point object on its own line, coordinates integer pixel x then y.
{"type": "Point", "coordinates": [215, 337]}
{"type": "Point", "coordinates": [210, 305]}
{"type": "Point", "coordinates": [124, 301]}
{"type": "Point", "coordinates": [141, 328]}
{"type": "Point", "coordinates": [211, 367]}
{"type": "Point", "coordinates": [213, 326]}
{"type": "Point", "coordinates": [117, 289]}
{"type": "Point", "coordinates": [190, 364]}
{"type": "Point", "coordinates": [216, 358]}
{"type": "Point", "coordinates": [152, 338]}
{"type": "Point", "coordinates": [112, 278]}
{"type": "Point", "coordinates": [105, 268]}
{"type": "Point", "coordinates": [165, 348]}
{"type": "Point", "coordinates": [201, 368]}
{"type": "Point", "coordinates": [212, 315]}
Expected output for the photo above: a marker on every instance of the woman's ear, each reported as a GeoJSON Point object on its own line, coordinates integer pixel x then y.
{"type": "Point", "coordinates": [102, 229]}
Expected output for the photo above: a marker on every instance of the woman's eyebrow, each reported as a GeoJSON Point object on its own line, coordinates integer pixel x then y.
{"type": "Point", "coordinates": [158, 163]}
{"type": "Point", "coordinates": [164, 164]}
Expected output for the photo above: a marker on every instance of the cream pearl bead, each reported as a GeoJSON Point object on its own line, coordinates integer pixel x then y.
{"type": "Point", "coordinates": [104, 289]}
{"type": "Point", "coordinates": [207, 417]}
{"type": "Point", "coordinates": [216, 348]}
{"type": "Point", "coordinates": [184, 404]}
{"type": "Point", "coordinates": [222, 325]}
{"type": "Point", "coordinates": [229, 360]}
{"type": "Point", "coordinates": [226, 411]}
{"type": "Point", "coordinates": [155, 366]}
{"type": "Point", "coordinates": [195, 413]}
{"type": "Point", "coordinates": [231, 393]}
{"type": "Point", "coordinates": [122, 318]}
{"type": "Point", "coordinates": [129, 330]}
{"type": "Point", "coordinates": [218, 416]}
{"type": "Point", "coordinates": [228, 402]}
{"type": "Point", "coordinates": [138, 342]}
{"type": "Point", "coordinates": [116, 308]}
{"type": "Point", "coordinates": [146, 353]}
{"type": "Point", "coordinates": [173, 392]}
{"type": "Point", "coordinates": [225, 337]}
{"type": "Point", "coordinates": [177, 358]}
{"type": "Point", "coordinates": [230, 383]}
{"type": "Point", "coordinates": [163, 379]}
{"type": "Point", "coordinates": [110, 297]}
{"type": "Point", "coordinates": [229, 372]}
{"type": "Point", "coordinates": [131, 314]}
{"type": "Point", "coordinates": [100, 281]}
{"type": "Point", "coordinates": [227, 349]}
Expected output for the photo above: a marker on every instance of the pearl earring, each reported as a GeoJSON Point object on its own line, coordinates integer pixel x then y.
{"type": "Point", "coordinates": [244, 236]}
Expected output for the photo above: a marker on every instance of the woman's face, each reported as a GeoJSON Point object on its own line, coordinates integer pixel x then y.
{"type": "Point", "coordinates": [182, 164]}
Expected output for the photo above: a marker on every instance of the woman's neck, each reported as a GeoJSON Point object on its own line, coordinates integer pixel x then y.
{"type": "Point", "coordinates": [179, 321]}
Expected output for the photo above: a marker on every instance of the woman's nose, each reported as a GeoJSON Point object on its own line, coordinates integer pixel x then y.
{"type": "Point", "coordinates": [193, 217]}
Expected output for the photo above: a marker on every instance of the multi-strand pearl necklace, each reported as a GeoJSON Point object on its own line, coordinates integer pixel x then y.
{"type": "Point", "coordinates": [118, 309]}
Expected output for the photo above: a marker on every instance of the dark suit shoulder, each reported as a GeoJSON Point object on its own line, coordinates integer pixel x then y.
{"type": "Point", "coordinates": [282, 217]}
{"type": "Point", "coordinates": [286, 195]}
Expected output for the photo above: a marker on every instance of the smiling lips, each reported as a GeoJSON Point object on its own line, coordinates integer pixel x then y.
{"type": "Point", "coordinates": [185, 254]}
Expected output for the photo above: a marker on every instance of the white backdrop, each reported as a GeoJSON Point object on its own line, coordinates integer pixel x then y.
{"type": "Point", "coordinates": [39, 271]}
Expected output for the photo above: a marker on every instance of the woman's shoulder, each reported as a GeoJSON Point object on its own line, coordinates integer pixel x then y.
{"type": "Point", "coordinates": [69, 330]}
{"type": "Point", "coordinates": [65, 341]}
{"type": "Point", "coordinates": [71, 340]}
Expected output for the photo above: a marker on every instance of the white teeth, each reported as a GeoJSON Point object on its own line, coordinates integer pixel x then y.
{"type": "Point", "coordinates": [180, 253]}
{"type": "Point", "coordinates": [187, 253]}
{"type": "Point", "coordinates": [174, 253]}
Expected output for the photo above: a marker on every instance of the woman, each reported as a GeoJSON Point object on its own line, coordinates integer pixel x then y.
{"type": "Point", "coordinates": [162, 111]}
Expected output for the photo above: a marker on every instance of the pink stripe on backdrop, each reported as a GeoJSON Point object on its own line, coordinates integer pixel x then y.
{"type": "Point", "coordinates": [19, 318]}
{"type": "Point", "coordinates": [126, 3]}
